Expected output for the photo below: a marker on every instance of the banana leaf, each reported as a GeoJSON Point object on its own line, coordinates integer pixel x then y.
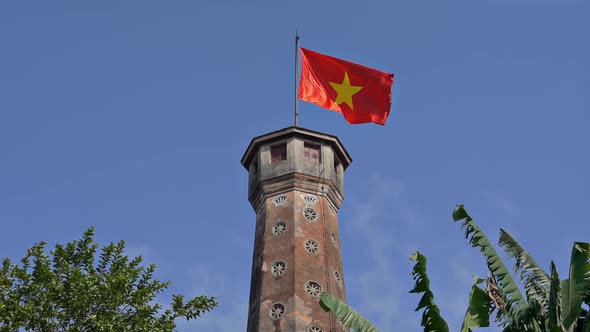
{"type": "Point", "coordinates": [346, 314]}
{"type": "Point", "coordinates": [536, 281]}
{"type": "Point", "coordinates": [432, 321]}
{"type": "Point", "coordinates": [574, 290]}
{"type": "Point", "coordinates": [478, 311]}
{"type": "Point", "coordinates": [554, 319]}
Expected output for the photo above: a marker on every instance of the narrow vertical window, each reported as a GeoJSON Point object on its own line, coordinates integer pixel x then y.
{"type": "Point", "coordinates": [312, 153]}
{"type": "Point", "coordinates": [278, 153]}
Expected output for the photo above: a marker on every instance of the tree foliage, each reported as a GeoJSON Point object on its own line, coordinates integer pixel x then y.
{"type": "Point", "coordinates": [74, 289]}
{"type": "Point", "coordinates": [551, 304]}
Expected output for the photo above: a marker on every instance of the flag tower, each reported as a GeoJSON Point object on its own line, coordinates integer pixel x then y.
{"type": "Point", "coordinates": [296, 187]}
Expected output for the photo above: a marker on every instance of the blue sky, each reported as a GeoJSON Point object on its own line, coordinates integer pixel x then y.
{"type": "Point", "coordinates": [133, 117]}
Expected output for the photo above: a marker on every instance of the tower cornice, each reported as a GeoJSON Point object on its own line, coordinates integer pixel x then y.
{"type": "Point", "coordinates": [310, 184]}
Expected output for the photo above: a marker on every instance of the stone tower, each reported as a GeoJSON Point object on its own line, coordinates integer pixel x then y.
{"type": "Point", "coordinates": [296, 186]}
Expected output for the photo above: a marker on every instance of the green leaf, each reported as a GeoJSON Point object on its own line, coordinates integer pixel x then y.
{"type": "Point", "coordinates": [516, 308]}
{"type": "Point", "coordinates": [478, 311]}
{"type": "Point", "coordinates": [554, 319]}
{"type": "Point", "coordinates": [346, 314]}
{"type": "Point", "coordinates": [573, 290]}
{"type": "Point", "coordinates": [432, 321]}
{"type": "Point", "coordinates": [536, 281]}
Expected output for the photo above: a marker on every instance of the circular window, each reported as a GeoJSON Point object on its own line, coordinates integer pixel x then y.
{"type": "Point", "coordinates": [279, 227]}
{"type": "Point", "coordinates": [278, 268]}
{"type": "Point", "coordinates": [313, 288]}
{"type": "Point", "coordinates": [277, 310]}
{"type": "Point", "coordinates": [312, 246]}
{"type": "Point", "coordinates": [315, 328]}
{"type": "Point", "coordinates": [333, 238]}
{"type": "Point", "coordinates": [310, 214]}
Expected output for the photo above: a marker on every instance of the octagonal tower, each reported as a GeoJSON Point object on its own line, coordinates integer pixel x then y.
{"type": "Point", "coordinates": [296, 187]}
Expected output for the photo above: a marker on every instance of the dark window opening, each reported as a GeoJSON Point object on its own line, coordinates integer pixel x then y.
{"type": "Point", "coordinates": [312, 152]}
{"type": "Point", "coordinates": [278, 153]}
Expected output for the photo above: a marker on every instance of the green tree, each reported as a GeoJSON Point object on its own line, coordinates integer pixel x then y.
{"type": "Point", "coordinates": [74, 289]}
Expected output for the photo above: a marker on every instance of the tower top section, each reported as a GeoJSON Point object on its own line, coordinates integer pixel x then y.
{"type": "Point", "coordinates": [296, 158]}
{"type": "Point", "coordinates": [289, 132]}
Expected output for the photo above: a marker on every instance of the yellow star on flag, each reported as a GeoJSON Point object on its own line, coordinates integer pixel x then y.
{"type": "Point", "coordinates": [345, 91]}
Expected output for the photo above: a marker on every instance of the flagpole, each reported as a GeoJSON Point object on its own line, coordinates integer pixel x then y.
{"type": "Point", "coordinates": [296, 67]}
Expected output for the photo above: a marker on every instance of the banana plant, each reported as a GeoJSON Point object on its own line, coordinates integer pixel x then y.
{"type": "Point", "coordinates": [517, 314]}
{"type": "Point", "coordinates": [551, 304]}
{"type": "Point", "coordinates": [561, 300]}
{"type": "Point", "coordinates": [477, 314]}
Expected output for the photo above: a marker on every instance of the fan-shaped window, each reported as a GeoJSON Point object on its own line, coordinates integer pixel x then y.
{"type": "Point", "coordinates": [280, 200]}
{"type": "Point", "coordinates": [309, 199]}
{"type": "Point", "coordinates": [334, 242]}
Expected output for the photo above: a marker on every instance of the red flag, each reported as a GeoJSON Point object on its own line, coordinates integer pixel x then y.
{"type": "Point", "coordinates": [360, 93]}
